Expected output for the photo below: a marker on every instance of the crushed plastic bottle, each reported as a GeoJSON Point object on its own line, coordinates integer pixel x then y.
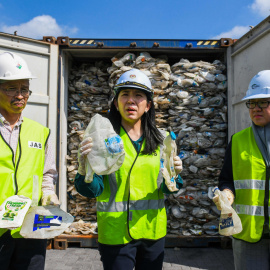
{"type": "Point", "coordinates": [229, 222]}
{"type": "Point", "coordinates": [107, 154]}
{"type": "Point", "coordinates": [167, 162]}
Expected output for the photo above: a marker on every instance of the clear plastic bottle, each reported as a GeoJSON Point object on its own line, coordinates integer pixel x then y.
{"type": "Point", "coordinates": [229, 222]}
{"type": "Point", "coordinates": [167, 161]}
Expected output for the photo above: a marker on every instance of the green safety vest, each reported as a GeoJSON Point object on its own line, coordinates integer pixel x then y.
{"type": "Point", "coordinates": [132, 204]}
{"type": "Point", "coordinates": [249, 174]}
{"type": "Point", "coordinates": [24, 175]}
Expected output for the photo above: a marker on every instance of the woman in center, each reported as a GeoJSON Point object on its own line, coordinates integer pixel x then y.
{"type": "Point", "coordinates": [131, 215]}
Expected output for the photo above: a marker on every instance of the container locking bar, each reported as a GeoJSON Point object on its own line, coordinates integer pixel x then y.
{"type": "Point", "coordinates": [144, 43]}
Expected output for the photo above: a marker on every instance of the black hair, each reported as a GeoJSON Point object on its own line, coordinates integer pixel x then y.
{"type": "Point", "coordinates": [151, 134]}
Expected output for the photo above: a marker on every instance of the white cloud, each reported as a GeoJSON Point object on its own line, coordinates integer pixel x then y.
{"type": "Point", "coordinates": [40, 26]}
{"type": "Point", "coordinates": [262, 7]}
{"type": "Point", "coordinates": [235, 33]}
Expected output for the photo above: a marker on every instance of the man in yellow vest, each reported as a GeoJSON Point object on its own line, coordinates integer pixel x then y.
{"type": "Point", "coordinates": [27, 163]}
{"type": "Point", "coordinates": [245, 178]}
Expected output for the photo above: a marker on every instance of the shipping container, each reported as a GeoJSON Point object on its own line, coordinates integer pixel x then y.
{"type": "Point", "coordinates": [51, 59]}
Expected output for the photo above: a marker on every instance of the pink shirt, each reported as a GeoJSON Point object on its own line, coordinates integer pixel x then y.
{"type": "Point", "coordinates": [49, 173]}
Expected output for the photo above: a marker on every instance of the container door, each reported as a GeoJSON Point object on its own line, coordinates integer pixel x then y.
{"type": "Point", "coordinates": [42, 60]}
{"type": "Point", "coordinates": [246, 57]}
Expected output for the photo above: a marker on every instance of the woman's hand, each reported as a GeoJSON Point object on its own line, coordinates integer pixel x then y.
{"type": "Point", "coordinates": [85, 148]}
{"type": "Point", "coordinates": [177, 165]}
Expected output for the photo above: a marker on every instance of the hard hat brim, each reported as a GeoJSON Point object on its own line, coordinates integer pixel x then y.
{"type": "Point", "coordinates": [136, 85]}
{"type": "Point", "coordinates": [15, 78]}
{"type": "Point", "coordinates": [256, 96]}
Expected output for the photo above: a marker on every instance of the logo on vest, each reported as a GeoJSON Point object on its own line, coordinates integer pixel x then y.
{"type": "Point", "coordinates": [36, 145]}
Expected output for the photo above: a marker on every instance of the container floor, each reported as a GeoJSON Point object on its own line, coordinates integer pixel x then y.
{"type": "Point", "coordinates": [175, 259]}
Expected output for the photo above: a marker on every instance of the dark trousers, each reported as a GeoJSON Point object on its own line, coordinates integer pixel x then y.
{"type": "Point", "coordinates": [141, 254]}
{"type": "Point", "coordinates": [21, 253]}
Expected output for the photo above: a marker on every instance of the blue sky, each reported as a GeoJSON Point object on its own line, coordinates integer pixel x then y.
{"type": "Point", "coordinates": [148, 19]}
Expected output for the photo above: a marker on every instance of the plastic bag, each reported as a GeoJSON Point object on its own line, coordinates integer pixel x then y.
{"type": "Point", "coordinates": [13, 211]}
{"type": "Point", "coordinates": [43, 222]}
{"type": "Point", "coordinates": [167, 162]}
{"type": "Point", "coordinates": [229, 222]}
{"type": "Point", "coordinates": [107, 154]}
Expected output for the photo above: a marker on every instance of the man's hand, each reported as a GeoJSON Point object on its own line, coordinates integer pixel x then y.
{"type": "Point", "coordinates": [229, 195]}
{"type": "Point", "coordinates": [51, 199]}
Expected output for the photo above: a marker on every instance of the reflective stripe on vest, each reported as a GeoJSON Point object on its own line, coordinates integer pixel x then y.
{"type": "Point", "coordinates": [112, 206]}
{"type": "Point", "coordinates": [132, 192]}
{"type": "Point", "coordinates": [249, 172]}
{"type": "Point", "coordinates": [21, 177]}
{"type": "Point", "coordinates": [251, 210]}
{"type": "Point", "coordinates": [249, 184]}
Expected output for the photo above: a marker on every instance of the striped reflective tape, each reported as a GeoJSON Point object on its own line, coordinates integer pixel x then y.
{"type": "Point", "coordinates": [133, 205]}
{"type": "Point", "coordinates": [251, 210]}
{"type": "Point", "coordinates": [207, 42]}
{"type": "Point", "coordinates": [81, 41]}
{"type": "Point", "coordinates": [249, 184]}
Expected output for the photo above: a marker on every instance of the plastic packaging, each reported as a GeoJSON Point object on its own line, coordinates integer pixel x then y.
{"type": "Point", "coordinates": [167, 162]}
{"type": "Point", "coordinates": [107, 154]}
{"type": "Point", "coordinates": [13, 211]}
{"type": "Point", "coordinates": [42, 222]}
{"type": "Point", "coordinates": [229, 222]}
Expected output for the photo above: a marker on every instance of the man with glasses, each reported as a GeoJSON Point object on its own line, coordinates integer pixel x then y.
{"type": "Point", "coordinates": [27, 165]}
{"type": "Point", "coordinates": [245, 178]}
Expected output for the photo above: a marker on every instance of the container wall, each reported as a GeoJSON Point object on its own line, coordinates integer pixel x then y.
{"type": "Point", "coordinates": [246, 57]}
{"type": "Point", "coordinates": [42, 59]}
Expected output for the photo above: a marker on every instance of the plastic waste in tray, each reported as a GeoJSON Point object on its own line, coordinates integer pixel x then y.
{"type": "Point", "coordinates": [43, 222]}
{"type": "Point", "coordinates": [229, 222]}
{"type": "Point", "coordinates": [107, 154]}
{"type": "Point", "coordinates": [167, 162]}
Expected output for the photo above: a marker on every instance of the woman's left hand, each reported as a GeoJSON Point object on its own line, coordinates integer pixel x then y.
{"type": "Point", "coordinates": [177, 165]}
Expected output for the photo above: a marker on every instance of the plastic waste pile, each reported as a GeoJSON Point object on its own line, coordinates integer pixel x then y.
{"type": "Point", "coordinates": [190, 98]}
{"type": "Point", "coordinates": [89, 93]}
{"type": "Point", "coordinates": [198, 114]}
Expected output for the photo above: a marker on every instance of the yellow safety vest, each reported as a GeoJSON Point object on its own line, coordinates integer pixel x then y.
{"type": "Point", "coordinates": [25, 173]}
{"type": "Point", "coordinates": [132, 205]}
{"type": "Point", "coordinates": [249, 174]}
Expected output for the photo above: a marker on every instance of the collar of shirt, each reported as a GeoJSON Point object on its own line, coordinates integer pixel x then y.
{"type": "Point", "coordinates": [4, 122]}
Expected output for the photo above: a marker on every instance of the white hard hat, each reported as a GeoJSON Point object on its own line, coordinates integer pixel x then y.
{"type": "Point", "coordinates": [13, 67]}
{"type": "Point", "coordinates": [259, 86]}
{"type": "Point", "coordinates": [134, 78]}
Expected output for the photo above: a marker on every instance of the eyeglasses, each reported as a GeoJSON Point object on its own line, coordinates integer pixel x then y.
{"type": "Point", "coordinates": [261, 104]}
{"type": "Point", "coordinates": [12, 92]}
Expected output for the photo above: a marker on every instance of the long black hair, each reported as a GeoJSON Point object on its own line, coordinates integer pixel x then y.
{"type": "Point", "coordinates": [151, 134]}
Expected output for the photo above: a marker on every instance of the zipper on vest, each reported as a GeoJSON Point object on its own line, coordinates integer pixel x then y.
{"type": "Point", "coordinates": [266, 202]}
{"type": "Point", "coordinates": [128, 214]}
{"type": "Point", "coordinates": [9, 148]}
{"type": "Point", "coordinates": [15, 165]}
